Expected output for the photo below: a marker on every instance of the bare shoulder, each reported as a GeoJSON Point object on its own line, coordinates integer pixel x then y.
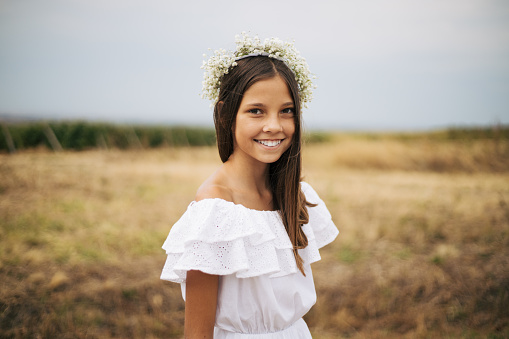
{"type": "Point", "coordinates": [212, 191]}
{"type": "Point", "coordinates": [213, 188]}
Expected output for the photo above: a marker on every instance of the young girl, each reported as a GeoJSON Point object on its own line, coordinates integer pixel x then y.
{"type": "Point", "coordinates": [242, 250]}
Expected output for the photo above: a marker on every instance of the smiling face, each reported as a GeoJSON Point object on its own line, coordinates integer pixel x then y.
{"type": "Point", "coordinates": [264, 125]}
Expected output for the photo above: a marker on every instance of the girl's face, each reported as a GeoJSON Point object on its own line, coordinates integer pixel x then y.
{"type": "Point", "coordinates": [265, 125]}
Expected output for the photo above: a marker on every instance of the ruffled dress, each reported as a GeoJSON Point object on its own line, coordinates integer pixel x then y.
{"type": "Point", "coordinates": [262, 293]}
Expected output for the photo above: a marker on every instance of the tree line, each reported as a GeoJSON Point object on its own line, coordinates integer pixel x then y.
{"type": "Point", "coordinates": [82, 135]}
{"type": "Point", "coordinates": [87, 135]}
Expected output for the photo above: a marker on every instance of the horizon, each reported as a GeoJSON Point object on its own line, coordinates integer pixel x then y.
{"type": "Point", "coordinates": [13, 119]}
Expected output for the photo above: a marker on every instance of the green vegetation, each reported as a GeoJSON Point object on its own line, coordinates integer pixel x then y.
{"type": "Point", "coordinates": [80, 135]}
{"type": "Point", "coordinates": [84, 135]}
{"type": "Point", "coordinates": [495, 132]}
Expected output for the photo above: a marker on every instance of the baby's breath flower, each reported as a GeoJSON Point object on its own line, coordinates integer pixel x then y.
{"type": "Point", "coordinates": [221, 61]}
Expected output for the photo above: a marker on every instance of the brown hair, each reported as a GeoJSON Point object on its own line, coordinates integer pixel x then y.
{"type": "Point", "coordinates": [285, 173]}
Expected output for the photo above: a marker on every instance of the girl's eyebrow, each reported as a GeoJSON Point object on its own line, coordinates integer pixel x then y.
{"type": "Point", "coordinates": [258, 104]}
{"type": "Point", "coordinates": [255, 104]}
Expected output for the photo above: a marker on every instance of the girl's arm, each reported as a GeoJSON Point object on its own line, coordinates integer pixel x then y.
{"type": "Point", "coordinates": [201, 302]}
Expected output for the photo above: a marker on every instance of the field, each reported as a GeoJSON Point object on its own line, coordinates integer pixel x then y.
{"type": "Point", "coordinates": [423, 250]}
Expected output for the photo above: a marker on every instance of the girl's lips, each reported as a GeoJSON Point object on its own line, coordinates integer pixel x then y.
{"type": "Point", "coordinates": [269, 143]}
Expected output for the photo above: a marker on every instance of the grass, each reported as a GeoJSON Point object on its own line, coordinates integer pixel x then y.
{"type": "Point", "coordinates": [423, 248]}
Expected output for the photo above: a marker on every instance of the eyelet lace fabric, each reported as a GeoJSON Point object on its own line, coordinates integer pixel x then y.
{"type": "Point", "coordinates": [219, 237]}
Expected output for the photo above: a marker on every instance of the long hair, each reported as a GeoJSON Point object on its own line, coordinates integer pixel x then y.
{"type": "Point", "coordinates": [285, 173]}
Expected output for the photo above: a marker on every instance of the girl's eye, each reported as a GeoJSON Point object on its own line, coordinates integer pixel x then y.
{"type": "Point", "coordinates": [288, 111]}
{"type": "Point", "coordinates": [255, 111]}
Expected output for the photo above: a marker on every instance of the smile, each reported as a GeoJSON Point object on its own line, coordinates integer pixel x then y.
{"type": "Point", "coordinates": [269, 143]}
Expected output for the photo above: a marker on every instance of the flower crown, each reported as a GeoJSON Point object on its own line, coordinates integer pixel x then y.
{"type": "Point", "coordinates": [221, 61]}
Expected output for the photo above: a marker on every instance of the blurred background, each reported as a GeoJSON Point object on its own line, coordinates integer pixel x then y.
{"type": "Point", "coordinates": [104, 140]}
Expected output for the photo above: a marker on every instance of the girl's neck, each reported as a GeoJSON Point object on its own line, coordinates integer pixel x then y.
{"type": "Point", "coordinates": [250, 174]}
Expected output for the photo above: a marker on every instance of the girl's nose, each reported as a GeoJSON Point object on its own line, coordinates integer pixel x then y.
{"type": "Point", "coordinates": [273, 123]}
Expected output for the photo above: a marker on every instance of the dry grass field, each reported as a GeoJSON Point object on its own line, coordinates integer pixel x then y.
{"type": "Point", "coordinates": [423, 250]}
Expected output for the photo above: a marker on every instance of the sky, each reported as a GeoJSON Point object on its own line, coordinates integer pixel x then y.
{"type": "Point", "coordinates": [380, 64]}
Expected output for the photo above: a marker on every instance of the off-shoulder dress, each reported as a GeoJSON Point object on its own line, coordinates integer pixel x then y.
{"type": "Point", "coordinates": [262, 293]}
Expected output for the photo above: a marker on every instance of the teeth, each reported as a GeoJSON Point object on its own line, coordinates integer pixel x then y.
{"type": "Point", "coordinates": [270, 143]}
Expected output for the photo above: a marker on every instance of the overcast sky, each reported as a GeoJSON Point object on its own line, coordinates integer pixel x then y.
{"type": "Point", "coordinates": [381, 64]}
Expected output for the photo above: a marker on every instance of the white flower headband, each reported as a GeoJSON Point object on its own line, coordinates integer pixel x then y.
{"type": "Point", "coordinates": [220, 62]}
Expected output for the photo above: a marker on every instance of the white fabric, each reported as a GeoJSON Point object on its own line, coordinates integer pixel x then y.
{"type": "Point", "coordinates": [299, 330]}
{"type": "Point", "coordinates": [261, 290]}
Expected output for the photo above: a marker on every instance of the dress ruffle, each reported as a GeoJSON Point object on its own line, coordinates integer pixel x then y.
{"type": "Point", "coordinates": [219, 237]}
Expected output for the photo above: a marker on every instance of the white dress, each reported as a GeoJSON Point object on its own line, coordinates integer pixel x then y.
{"type": "Point", "coordinates": [262, 293]}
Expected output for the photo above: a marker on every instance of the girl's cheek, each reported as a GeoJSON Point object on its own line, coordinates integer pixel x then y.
{"type": "Point", "coordinates": [289, 127]}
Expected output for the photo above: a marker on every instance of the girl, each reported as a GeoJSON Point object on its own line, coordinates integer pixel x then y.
{"type": "Point", "coordinates": [242, 250]}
